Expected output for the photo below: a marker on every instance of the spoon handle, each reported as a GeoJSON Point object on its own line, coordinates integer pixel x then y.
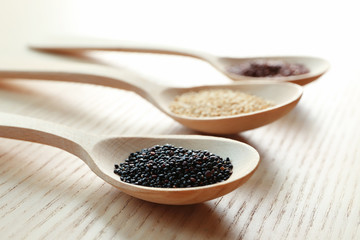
{"type": "Point", "coordinates": [56, 68]}
{"type": "Point", "coordinates": [33, 130]}
{"type": "Point", "coordinates": [74, 44]}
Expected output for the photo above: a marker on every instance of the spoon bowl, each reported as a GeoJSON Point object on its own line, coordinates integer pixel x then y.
{"type": "Point", "coordinates": [245, 162]}
{"type": "Point", "coordinates": [284, 95]}
{"type": "Point", "coordinates": [100, 153]}
{"type": "Point", "coordinates": [316, 66]}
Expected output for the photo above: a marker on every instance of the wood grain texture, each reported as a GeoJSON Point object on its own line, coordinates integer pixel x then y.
{"type": "Point", "coordinates": [306, 186]}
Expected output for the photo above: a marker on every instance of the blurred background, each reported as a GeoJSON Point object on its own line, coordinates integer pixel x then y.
{"type": "Point", "coordinates": [230, 28]}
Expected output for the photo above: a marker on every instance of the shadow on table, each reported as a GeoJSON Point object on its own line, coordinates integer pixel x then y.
{"type": "Point", "coordinates": [143, 220]}
{"type": "Point", "coordinates": [19, 95]}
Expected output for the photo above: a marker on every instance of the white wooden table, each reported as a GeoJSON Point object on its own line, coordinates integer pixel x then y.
{"type": "Point", "coordinates": [307, 184]}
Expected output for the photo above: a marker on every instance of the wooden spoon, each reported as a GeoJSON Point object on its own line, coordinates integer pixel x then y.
{"type": "Point", "coordinates": [284, 95]}
{"type": "Point", "coordinates": [317, 66]}
{"type": "Point", "coordinates": [100, 153]}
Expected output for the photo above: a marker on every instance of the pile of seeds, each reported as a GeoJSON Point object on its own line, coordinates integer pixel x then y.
{"type": "Point", "coordinates": [173, 167]}
{"type": "Point", "coordinates": [268, 68]}
{"type": "Point", "coordinates": [217, 103]}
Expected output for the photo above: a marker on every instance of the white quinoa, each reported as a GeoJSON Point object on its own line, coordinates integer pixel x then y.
{"type": "Point", "coordinates": [217, 103]}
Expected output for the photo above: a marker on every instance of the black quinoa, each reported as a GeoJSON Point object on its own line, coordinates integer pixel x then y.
{"type": "Point", "coordinates": [173, 167]}
{"type": "Point", "coordinates": [268, 68]}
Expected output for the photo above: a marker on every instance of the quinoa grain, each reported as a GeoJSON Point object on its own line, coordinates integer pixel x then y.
{"type": "Point", "coordinates": [268, 68]}
{"type": "Point", "coordinates": [168, 166]}
{"type": "Point", "coordinates": [217, 103]}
